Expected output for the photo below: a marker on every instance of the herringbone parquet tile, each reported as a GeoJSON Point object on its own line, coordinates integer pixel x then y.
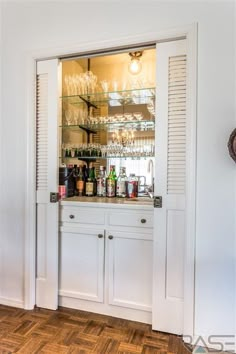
{"type": "Point", "coordinates": [68, 331]}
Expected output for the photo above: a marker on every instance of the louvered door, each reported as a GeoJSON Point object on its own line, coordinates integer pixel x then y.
{"type": "Point", "coordinates": [170, 181]}
{"type": "Point", "coordinates": [46, 182]}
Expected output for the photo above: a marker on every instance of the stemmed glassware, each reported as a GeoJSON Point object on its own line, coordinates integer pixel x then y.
{"type": "Point", "coordinates": [143, 148]}
{"type": "Point", "coordinates": [80, 84]}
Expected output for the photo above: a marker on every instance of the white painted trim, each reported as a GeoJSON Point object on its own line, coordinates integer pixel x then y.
{"type": "Point", "coordinates": [109, 310]}
{"type": "Point", "coordinates": [191, 158]}
{"type": "Point", "coordinates": [78, 295]}
{"type": "Point", "coordinates": [11, 302]}
{"type": "Point", "coordinates": [30, 240]}
{"type": "Point", "coordinates": [30, 186]}
{"type": "Point", "coordinates": [1, 157]}
{"type": "Point", "coordinates": [235, 188]}
{"type": "Point", "coordinates": [121, 42]}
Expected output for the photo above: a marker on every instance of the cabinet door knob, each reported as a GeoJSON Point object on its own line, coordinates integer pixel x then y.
{"type": "Point", "coordinates": [143, 221]}
{"type": "Point", "coordinates": [100, 235]}
{"type": "Point", "coordinates": [110, 237]}
{"type": "Point", "coordinates": [72, 216]}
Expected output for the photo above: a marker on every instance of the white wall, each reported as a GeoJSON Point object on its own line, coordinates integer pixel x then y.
{"type": "Point", "coordinates": [30, 27]}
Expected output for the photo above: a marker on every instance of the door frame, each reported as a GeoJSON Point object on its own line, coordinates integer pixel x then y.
{"type": "Point", "coordinates": [190, 33]}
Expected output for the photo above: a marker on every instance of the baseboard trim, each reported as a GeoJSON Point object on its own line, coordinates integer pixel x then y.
{"type": "Point", "coordinates": [11, 302]}
{"type": "Point", "coordinates": [106, 309]}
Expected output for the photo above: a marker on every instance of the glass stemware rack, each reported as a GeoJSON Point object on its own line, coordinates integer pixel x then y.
{"type": "Point", "coordinates": [117, 124]}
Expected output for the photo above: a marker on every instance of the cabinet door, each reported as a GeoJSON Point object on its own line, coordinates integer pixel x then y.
{"type": "Point", "coordinates": [130, 269]}
{"type": "Point", "coordinates": [81, 264]}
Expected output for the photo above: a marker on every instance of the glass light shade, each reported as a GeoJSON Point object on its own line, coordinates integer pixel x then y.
{"type": "Point", "coordinates": [135, 66]}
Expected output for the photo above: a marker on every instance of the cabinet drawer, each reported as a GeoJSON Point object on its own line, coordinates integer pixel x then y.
{"type": "Point", "coordinates": [82, 215]}
{"type": "Point", "coordinates": [131, 219]}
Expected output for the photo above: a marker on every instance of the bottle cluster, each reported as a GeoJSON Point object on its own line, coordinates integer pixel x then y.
{"type": "Point", "coordinates": [90, 185]}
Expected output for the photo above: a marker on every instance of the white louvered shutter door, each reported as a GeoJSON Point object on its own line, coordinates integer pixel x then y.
{"type": "Point", "coordinates": [46, 182]}
{"type": "Point", "coordinates": [170, 182]}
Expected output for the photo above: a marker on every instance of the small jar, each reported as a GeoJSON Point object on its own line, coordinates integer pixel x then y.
{"type": "Point", "coordinates": [132, 186]}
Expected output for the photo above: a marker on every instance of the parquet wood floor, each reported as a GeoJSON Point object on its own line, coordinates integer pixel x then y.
{"type": "Point", "coordinates": [72, 331]}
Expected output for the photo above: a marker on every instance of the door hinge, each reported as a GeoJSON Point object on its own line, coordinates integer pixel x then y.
{"type": "Point", "coordinates": [54, 197]}
{"type": "Point", "coordinates": [157, 202]}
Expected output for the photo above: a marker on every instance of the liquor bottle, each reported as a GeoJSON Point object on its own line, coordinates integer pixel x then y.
{"type": "Point", "coordinates": [132, 186]}
{"type": "Point", "coordinates": [111, 183]}
{"type": "Point", "coordinates": [68, 153]}
{"type": "Point", "coordinates": [75, 171]}
{"type": "Point", "coordinates": [94, 181]}
{"type": "Point", "coordinates": [121, 183]}
{"type": "Point", "coordinates": [89, 183]}
{"type": "Point", "coordinates": [75, 175]}
{"type": "Point", "coordinates": [80, 182]}
{"type": "Point", "coordinates": [101, 183]}
{"type": "Point", "coordinates": [85, 172]}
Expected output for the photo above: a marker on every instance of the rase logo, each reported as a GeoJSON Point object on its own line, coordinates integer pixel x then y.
{"type": "Point", "coordinates": [200, 350]}
{"type": "Point", "coordinates": [200, 347]}
{"type": "Point", "coordinates": [213, 341]}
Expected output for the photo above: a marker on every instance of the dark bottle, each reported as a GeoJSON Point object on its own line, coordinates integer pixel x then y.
{"type": "Point", "coordinates": [75, 175]}
{"type": "Point", "coordinates": [76, 152]}
{"type": "Point", "coordinates": [85, 174]}
{"type": "Point", "coordinates": [94, 182]}
{"type": "Point", "coordinates": [80, 182]}
{"type": "Point", "coordinates": [68, 153]}
{"type": "Point", "coordinates": [75, 171]}
{"type": "Point", "coordinates": [111, 183]}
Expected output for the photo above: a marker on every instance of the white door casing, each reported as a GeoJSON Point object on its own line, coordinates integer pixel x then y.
{"type": "Point", "coordinates": [190, 32]}
{"type": "Point", "coordinates": [170, 183]}
{"type": "Point", "coordinates": [47, 110]}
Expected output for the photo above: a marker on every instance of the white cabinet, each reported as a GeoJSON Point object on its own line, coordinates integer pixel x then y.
{"type": "Point", "coordinates": [81, 263]}
{"type": "Point", "coordinates": [131, 219]}
{"type": "Point", "coordinates": [106, 268]}
{"type": "Point", "coordinates": [130, 269]}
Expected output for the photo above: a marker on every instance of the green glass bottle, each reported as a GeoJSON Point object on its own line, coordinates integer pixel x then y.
{"type": "Point", "coordinates": [111, 183]}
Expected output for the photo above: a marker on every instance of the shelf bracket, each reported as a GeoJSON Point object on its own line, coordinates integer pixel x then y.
{"type": "Point", "coordinates": [89, 104]}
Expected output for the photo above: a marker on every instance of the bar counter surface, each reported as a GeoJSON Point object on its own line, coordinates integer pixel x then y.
{"type": "Point", "coordinates": [137, 203]}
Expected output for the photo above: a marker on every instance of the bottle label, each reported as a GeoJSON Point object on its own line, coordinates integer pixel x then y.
{"type": "Point", "coordinates": [89, 188]}
{"type": "Point", "coordinates": [80, 186]}
{"type": "Point", "coordinates": [121, 188]}
{"type": "Point", "coordinates": [111, 188]}
{"type": "Point", "coordinates": [101, 191]}
{"type": "Point", "coordinates": [62, 191]}
{"type": "Point", "coordinates": [132, 189]}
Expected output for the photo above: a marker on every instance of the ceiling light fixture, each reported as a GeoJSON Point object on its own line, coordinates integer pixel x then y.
{"type": "Point", "coordinates": [135, 65]}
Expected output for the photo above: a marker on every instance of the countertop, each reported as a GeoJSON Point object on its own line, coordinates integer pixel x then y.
{"type": "Point", "coordinates": [137, 203]}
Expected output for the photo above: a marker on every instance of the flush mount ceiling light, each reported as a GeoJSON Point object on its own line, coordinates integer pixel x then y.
{"type": "Point", "coordinates": [135, 65]}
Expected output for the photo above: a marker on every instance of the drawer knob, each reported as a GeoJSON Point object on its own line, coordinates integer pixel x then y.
{"type": "Point", "coordinates": [143, 221]}
{"type": "Point", "coordinates": [72, 216]}
{"type": "Point", "coordinates": [100, 235]}
{"type": "Point", "coordinates": [110, 237]}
